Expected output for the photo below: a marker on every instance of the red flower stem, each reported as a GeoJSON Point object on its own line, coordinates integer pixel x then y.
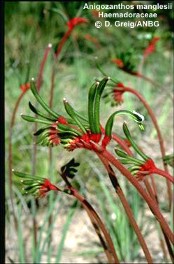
{"type": "Point", "coordinates": [154, 187]}
{"type": "Point", "coordinates": [164, 248]}
{"type": "Point", "coordinates": [34, 150]}
{"type": "Point", "coordinates": [52, 84]}
{"type": "Point", "coordinates": [122, 143]}
{"type": "Point", "coordinates": [149, 189]}
{"type": "Point", "coordinates": [160, 138]}
{"type": "Point", "coordinates": [152, 204]}
{"type": "Point", "coordinates": [53, 73]}
{"type": "Point", "coordinates": [164, 174]}
{"type": "Point", "coordinates": [59, 49]}
{"type": "Point", "coordinates": [127, 208]}
{"type": "Point", "coordinates": [169, 247]}
{"type": "Point", "coordinates": [62, 42]}
{"type": "Point", "coordinates": [154, 196]}
{"type": "Point", "coordinates": [42, 65]}
{"type": "Point", "coordinates": [97, 223]}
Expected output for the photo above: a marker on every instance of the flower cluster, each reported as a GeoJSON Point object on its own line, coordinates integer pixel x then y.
{"type": "Point", "coordinates": [73, 132]}
{"type": "Point", "coordinates": [76, 21]}
{"type": "Point", "coordinates": [76, 131]}
{"type": "Point", "coordinates": [39, 186]}
{"type": "Point", "coordinates": [25, 87]}
{"type": "Point", "coordinates": [126, 62]}
{"type": "Point", "coordinates": [72, 23]}
{"type": "Point", "coordinates": [114, 94]}
{"type": "Point", "coordinates": [35, 185]}
{"type": "Point", "coordinates": [151, 47]}
{"type": "Point", "coordinates": [138, 167]}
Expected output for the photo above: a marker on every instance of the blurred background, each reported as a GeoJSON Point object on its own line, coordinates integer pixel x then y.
{"type": "Point", "coordinates": [56, 229]}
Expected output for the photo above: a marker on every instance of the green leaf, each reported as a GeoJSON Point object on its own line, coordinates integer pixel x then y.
{"type": "Point", "coordinates": [121, 153]}
{"type": "Point", "coordinates": [134, 115]}
{"type": "Point", "coordinates": [73, 115]}
{"type": "Point", "coordinates": [169, 159]}
{"type": "Point", "coordinates": [40, 100]}
{"type": "Point", "coordinates": [96, 105]}
{"type": "Point", "coordinates": [67, 129]}
{"type": "Point", "coordinates": [37, 112]}
{"type": "Point", "coordinates": [134, 145]}
{"type": "Point", "coordinates": [33, 119]}
{"type": "Point", "coordinates": [91, 104]}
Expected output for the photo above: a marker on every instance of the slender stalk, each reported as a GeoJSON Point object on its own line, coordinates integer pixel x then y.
{"type": "Point", "coordinates": [121, 143]}
{"type": "Point", "coordinates": [160, 138]}
{"type": "Point", "coordinates": [149, 189]}
{"type": "Point", "coordinates": [153, 195]}
{"type": "Point", "coordinates": [34, 150]}
{"type": "Point", "coordinates": [154, 188]}
{"type": "Point", "coordinates": [51, 94]}
{"type": "Point", "coordinates": [127, 208]}
{"type": "Point", "coordinates": [164, 174]}
{"type": "Point", "coordinates": [97, 223]}
{"type": "Point", "coordinates": [62, 42]}
{"type": "Point", "coordinates": [42, 65]}
{"type": "Point", "coordinates": [50, 153]}
{"type": "Point", "coordinates": [151, 203]}
{"type": "Point", "coordinates": [52, 83]}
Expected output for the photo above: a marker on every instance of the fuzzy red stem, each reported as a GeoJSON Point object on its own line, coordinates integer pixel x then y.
{"type": "Point", "coordinates": [40, 74]}
{"type": "Point", "coordinates": [152, 204]}
{"type": "Point", "coordinates": [62, 42]}
{"type": "Point", "coordinates": [160, 138]}
{"type": "Point", "coordinates": [164, 174]}
{"type": "Point", "coordinates": [153, 194]}
{"type": "Point", "coordinates": [127, 208]}
{"type": "Point", "coordinates": [122, 144]}
{"type": "Point", "coordinates": [95, 219]}
{"type": "Point", "coordinates": [149, 189]}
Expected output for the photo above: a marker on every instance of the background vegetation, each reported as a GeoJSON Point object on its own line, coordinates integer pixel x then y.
{"type": "Point", "coordinates": [67, 236]}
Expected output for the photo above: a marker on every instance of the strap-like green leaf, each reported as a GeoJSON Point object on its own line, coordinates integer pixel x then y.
{"type": "Point", "coordinates": [134, 145]}
{"type": "Point", "coordinates": [68, 129]}
{"type": "Point", "coordinates": [96, 117]}
{"type": "Point", "coordinates": [73, 115]}
{"type": "Point", "coordinates": [37, 112]}
{"type": "Point", "coordinates": [134, 115]}
{"type": "Point", "coordinates": [121, 153]}
{"type": "Point", "coordinates": [40, 100]}
{"type": "Point", "coordinates": [91, 103]}
{"type": "Point", "coordinates": [33, 119]}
